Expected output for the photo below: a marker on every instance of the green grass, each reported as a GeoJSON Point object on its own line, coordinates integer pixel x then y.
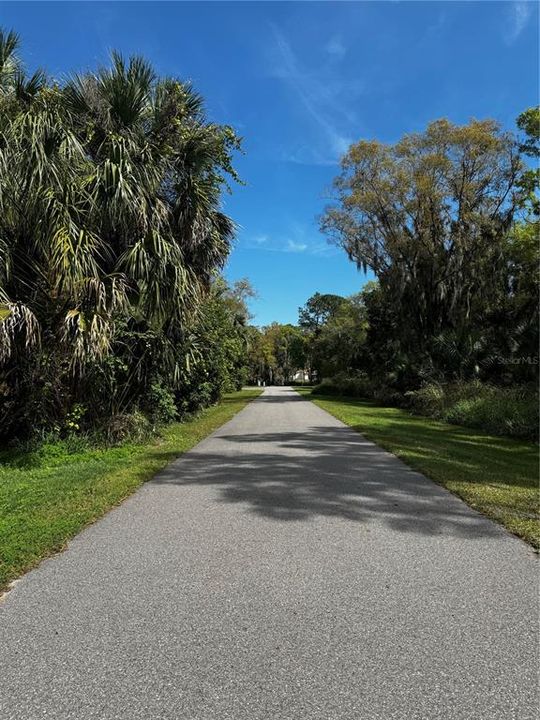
{"type": "Point", "coordinates": [47, 496]}
{"type": "Point", "coordinates": [496, 476]}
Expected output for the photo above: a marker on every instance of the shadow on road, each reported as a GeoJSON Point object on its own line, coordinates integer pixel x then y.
{"type": "Point", "coordinates": [329, 471]}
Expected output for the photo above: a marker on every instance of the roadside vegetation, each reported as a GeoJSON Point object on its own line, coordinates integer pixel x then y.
{"type": "Point", "coordinates": [496, 476]}
{"type": "Point", "coordinates": [113, 315]}
{"type": "Point", "coordinates": [50, 493]}
{"type": "Point", "coordinates": [447, 220]}
{"type": "Point", "coordinates": [117, 329]}
{"type": "Point", "coordinates": [511, 411]}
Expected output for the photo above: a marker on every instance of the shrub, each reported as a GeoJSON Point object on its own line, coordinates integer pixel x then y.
{"type": "Point", "coordinates": [503, 413]}
{"type": "Point", "coordinates": [343, 384]}
{"type": "Point", "coordinates": [430, 400]}
{"type": "Point", "coordinates": [159, 404]}
{"type": "Point", "coordinates": [385, 395]}
{"type": "Point", "coordinates": [191, 399]}
{"type": "Point", "coordinates": [134, 427]}
{"type": "Point", "coordinates": [496, 410]}
{"type": "Point", "coordinates": [499, 411]}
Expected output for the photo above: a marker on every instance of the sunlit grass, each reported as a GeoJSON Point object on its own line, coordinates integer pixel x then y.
{"type": "Point", "coordinates": [497, 476]}
{"type": "Point", "coordinates": [46, 497]}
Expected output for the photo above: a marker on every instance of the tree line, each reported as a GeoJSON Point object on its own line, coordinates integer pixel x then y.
{"type": "Point", "coordinates": [448, 222]}
{"type": "Point", "coordinates": [114, 316]}
{"type": "Point", "coordinates": [112, 312]}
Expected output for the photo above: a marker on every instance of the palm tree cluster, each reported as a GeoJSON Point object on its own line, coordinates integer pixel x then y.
{"type": "Point", "coordinates": [111, 234]}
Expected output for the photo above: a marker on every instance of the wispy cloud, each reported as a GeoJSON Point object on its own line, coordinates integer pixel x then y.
{"type": "Point", "coordinates": [324, 96]}
{"type": "Point", "coordinates": [519, 14]}
{"type": "Point", "coordinates": [434, 31]}
{"type": "Point", "coordinates": [298, 239]}
{"type": "Point", "coordinates": [335, 47]}
{"type": "Point", "coordinates": [295, 247]}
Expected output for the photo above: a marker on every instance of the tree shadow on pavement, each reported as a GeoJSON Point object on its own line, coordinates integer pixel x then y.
{"type": "Point", "coordinates": [325, 471]}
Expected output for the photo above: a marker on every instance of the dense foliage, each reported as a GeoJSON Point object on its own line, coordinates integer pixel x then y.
{"type": "Point", "coordinates": [111, 235]}
{"type": "Point", "coordinates": [448, 222]}
{"type": "Point", "coordinates": [276, 354]}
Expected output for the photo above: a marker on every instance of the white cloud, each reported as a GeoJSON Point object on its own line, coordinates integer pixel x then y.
{"type": "Point", "coordinates": [519, 15]}
{"type": "Point", "coordinates": [260, 239]}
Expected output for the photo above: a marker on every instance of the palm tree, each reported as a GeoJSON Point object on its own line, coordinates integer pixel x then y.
{"type": "Point", "coordinates": [110, 213]}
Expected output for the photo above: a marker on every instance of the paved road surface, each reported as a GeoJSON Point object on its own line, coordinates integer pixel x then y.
{"type": "Point", "coordinates": [284, 569]}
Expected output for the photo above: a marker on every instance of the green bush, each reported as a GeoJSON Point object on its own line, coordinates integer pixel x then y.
{"type": "Point", "coordinates": [385, 395]}
{"type": "Point", "coordinates": [122, 427]}
{"type": "Point", "coordinates": [199, 395]}
{"type": "Point", "coordinates": [160, 404]}
{"type": "Point", "coordinates": [500, 414]}
{"type": "Point", "coordinates": [430, 400]}
{"type": "Point", "coordinates": [343, 384]}
{"type": "Point", "coordinates": [499, 411]}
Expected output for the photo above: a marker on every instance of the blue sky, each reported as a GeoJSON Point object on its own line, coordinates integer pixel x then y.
{"type": "Point", "coordinates": [300, 81]}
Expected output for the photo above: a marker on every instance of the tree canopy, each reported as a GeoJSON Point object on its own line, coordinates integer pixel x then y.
{"type": "Point", "coordinates": [440, 217]}
{"type": "Point", "coordinates": [111, 232]}
{"type": "Point", "coordinates": [318, 310]}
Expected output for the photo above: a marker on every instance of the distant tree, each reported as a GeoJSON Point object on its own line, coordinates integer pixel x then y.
{"type": "Point", "coordinates": [312, 317]}
{"type": "Point", "coordinates": [529, 123]}
{"type": "Point", "coordinates": [284, 340]}
{"type": "Point", "coordinates": [239, 294]}
{"type": "Point", "coordinates": [276, 352]}
{"type": "Point", "coordinates": [340, 344]}
{"type": "Point", "coordinates": [298, 350]}
{"type": "Point", "coordinates": [317, 310]}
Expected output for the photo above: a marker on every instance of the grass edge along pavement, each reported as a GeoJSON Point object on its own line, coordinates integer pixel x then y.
{"type": "Point", "coordinates": [494, 475]}
{"type": "Point", "coordinates": [47, 498]}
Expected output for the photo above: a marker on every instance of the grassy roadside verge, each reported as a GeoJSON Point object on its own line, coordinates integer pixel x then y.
{"type": "Point", "coordinates": [46, 498]}
{"type": "Point", "coordinates": [496, 476]}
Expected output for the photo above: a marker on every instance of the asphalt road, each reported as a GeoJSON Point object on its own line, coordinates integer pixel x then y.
{"type": "Point", "coordinates": [284, 569]}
